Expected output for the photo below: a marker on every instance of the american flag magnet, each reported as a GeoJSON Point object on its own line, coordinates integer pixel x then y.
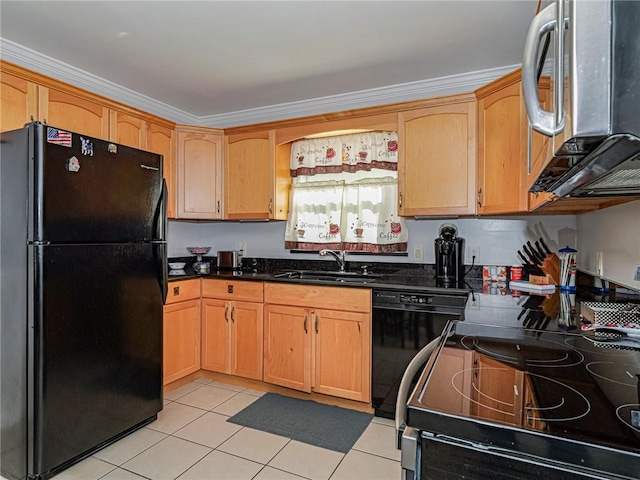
{"type": "Point", "coordinates": [58, 137]}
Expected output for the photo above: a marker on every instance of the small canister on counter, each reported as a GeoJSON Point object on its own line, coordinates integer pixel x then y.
{"type": "Point", "coordinates": [515, 272]}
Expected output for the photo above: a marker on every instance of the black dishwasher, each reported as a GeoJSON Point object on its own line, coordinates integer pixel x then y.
{"type": "Point", "coordinates": [403, 322]}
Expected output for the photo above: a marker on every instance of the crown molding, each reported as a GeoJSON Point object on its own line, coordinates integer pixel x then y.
{"type": "Point", "coordinates": [45, 65]}
{"type": "Point", "coordinates": [448, 85]}
{"type": "Point", "coordinates": [405, 92]}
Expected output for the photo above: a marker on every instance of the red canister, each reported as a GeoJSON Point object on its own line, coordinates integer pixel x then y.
{"type": "Point", "coordinates": [516, 272]}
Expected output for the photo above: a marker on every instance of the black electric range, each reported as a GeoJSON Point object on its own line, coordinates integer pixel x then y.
{"type": "Point", "coordinates": [504, 402]}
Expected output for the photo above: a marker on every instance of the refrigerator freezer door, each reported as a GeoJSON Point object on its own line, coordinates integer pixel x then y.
{"type": "Point", "coordinates": [95, 191]}
{"type": "Point", "coordinates": [98, 346]}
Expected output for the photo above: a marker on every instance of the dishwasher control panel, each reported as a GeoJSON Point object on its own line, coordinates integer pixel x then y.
{"type": "Point", "coordinates": [415, 299]}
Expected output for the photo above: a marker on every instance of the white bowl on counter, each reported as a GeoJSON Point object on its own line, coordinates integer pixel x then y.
{"type": "Point", "coordinates": [177, 265]}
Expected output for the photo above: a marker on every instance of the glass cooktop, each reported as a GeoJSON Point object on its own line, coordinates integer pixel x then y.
{"type": "Point", "coordinates": [551, 394]}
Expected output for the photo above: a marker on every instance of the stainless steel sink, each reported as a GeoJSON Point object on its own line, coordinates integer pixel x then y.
{"type": "Point", "coordinates": [331, 277]}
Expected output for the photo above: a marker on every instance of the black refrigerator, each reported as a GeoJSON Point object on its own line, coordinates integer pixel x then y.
{"type": "Point", "coordinates": [84, 279]}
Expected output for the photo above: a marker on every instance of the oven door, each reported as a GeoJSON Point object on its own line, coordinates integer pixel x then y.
{"type": "Point", "coordinates": [443, 458]}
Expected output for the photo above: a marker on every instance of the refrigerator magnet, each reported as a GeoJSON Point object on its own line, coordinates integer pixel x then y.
{"type": "Point", "coordinates": [112, 148]}
{"type": "Point", "coordinates": [87, 147]}
{"type": "Point", "coordinates": [73, 164]}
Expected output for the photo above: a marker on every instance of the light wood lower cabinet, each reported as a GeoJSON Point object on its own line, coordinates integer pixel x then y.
{"type": "Point", "coordinates": [181, 330]}
{"type": "Point", "coordinates": [455, 375]}
{"type": "Point", "coordinates": [287, 347]}
{"type": "Point", "coordinates": [320, 349]}
{"type": "Point", "coordinates": [232, 328]}
{"type": "Point", "coordinates": [497, 390]}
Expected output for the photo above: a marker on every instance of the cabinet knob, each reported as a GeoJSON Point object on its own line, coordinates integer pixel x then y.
{"type": "Point", "coordinates": [306, 319]}
{"type": "Point", "coordinates": [226, 313]}
{"type": "Point", "coordinates": [479, 197]}
{"type": "Point", "coordinates": [400, 200]}
{"type": "Point", "coordinates": [218, 206]}
{"type": "Point", "coordinates": [271, 205]}
{"type": "Point", "coordinates": [233, 314]}
{"type": "Point", "coordinates": [316, 326]}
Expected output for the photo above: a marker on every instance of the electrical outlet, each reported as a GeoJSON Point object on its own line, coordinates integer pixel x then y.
{"type": "Point", "coordinates": [599, 264]}
{"type": "Point", "coordinates": [474, 302]}
{"type": "Point", "coordinates": [636, 277]}
{"type": "Point", "coordinates": [418, 253]}
{"type": "Point", "coordinates": [473, 252]}
{"type": "Point", "coordinates": [242, 246]}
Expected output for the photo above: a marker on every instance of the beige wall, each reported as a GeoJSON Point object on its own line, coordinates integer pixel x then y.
{"type": "Point", "coordinates": [614, 231]}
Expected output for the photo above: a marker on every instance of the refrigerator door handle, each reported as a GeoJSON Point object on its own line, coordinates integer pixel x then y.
{"type": "Point", "coordinates": [163, 278]}
{"type": "Point", "coordinates": [161, 214]}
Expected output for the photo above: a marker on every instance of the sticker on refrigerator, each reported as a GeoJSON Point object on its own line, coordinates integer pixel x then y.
{"type": "Point", "coordinates": [112, 148]}
{"type": "Point", "coordinates": [73, 164]}
{"type": "Point", "coordinates": [87, 147]}
{"type": "Point", "coordinates": [59, 137]}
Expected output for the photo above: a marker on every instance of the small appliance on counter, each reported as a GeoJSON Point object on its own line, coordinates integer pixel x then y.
{"type": "Point", "coordinates": [449, 256]}
{"type": "Point", "coordinates": [200, 266]}
{"type": "Point", "coordinates": [229, 260]}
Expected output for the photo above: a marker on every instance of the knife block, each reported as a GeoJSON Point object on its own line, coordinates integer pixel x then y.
{"type": "Point", "coordinates": [551, 269]}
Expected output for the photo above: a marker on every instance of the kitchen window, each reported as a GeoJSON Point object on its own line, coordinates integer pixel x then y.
{"type": "Point", "coordinates": [344, 195]}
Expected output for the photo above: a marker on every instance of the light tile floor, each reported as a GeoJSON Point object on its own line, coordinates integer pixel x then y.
{"type": "Point", "coordinates": [192, 440]}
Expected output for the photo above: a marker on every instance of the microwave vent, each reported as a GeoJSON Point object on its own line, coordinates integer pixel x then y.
{"type": "Point", "coordinates": [618, 179]}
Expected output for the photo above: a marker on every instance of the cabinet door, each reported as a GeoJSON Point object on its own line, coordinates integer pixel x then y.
{"type": "Point", "coordinates": [287, 347]}
{"type": "Point", "coordinates": [342, 363]}
{"type": "Point", "coordinates": [498, 391]}
{"type": "Point", "coordinates": [215, 335]}
{"type": "Point", "coordinates": [127, 130]}
{"type": "Point", "coordinates": [181, 330]}
{"type": "Point", "coordinates": [18, 102]}
{"type": "Point", "coordinates": [437, 160]}
{"type": "Point", "coordinates": [74, 113]}
{"type": "Point", "coordinates": [246, 339]}
{"type": "Point", "coordinates": [455, 375]}
{"type": "Point", "coordinates": [248, 178]}
{"type": "Point", "coordinates": [500, 158]}
{"type": "Point", "coordinates": [162, 140]}
{"type": "Point", "coordinates": [199, 175]}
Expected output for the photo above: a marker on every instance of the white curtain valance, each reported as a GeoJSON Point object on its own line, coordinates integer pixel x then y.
{"type": "Point", "coordinates": [345, 153]}
{"type": "Point", "coordinates": [358, 216]}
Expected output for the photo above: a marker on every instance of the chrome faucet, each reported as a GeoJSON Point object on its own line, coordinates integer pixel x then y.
{"type": "Point", "coordinates": [338, 256]}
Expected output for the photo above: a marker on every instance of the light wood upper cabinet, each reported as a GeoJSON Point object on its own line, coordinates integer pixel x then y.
{"type": "Point", "coordinates": [540, 149]}
{"type": "Point", "coordinates": [18, 102]}
{"type": "Point", "coordinates": [500, 151]}
{"type": "Point", "coordinates": [250, 173]}
{"type": "Point", "coordinates": [127, 130]}
{"type": "Point", "coordinates": [74, 113]}
{"type": "Point", "coordinates": [162, 140]}
{"type": "Point", "coordinates": [199, 173]}
{"type": "Point", "coordinates": [232, 328]}
{"type": "Point", "coordinates": [437, 158]}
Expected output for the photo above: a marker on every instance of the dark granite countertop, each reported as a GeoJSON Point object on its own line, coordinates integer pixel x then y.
{"type": "Point", "coordinates": [397, 276]}
{"type": "Point", "coordinates": [500, 306]}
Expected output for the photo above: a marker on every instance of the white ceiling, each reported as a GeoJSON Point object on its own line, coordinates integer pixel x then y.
{"type": "Point", "coordinates": [226, 62]}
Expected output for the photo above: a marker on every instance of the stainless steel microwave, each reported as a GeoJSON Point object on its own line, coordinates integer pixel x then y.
{"type": "Point", "coordinates": [581, 85]}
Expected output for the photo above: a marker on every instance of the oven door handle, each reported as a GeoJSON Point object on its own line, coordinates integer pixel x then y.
{"type": "Point", "coordinates": [405, 384]}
